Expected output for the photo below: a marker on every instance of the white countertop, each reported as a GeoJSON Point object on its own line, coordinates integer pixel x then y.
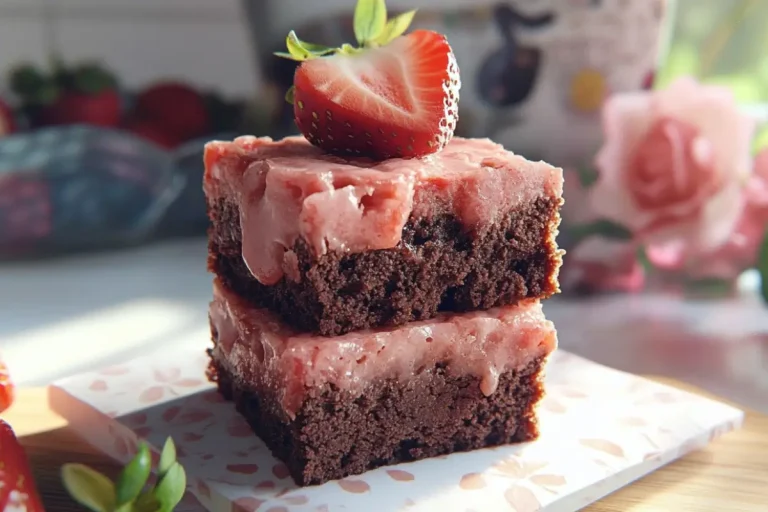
{"type": "Point", "coordinates": [63, 316]}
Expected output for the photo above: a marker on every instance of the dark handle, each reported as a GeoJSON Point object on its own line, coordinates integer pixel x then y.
{"type": "Point", "coordinates": [507, 19]}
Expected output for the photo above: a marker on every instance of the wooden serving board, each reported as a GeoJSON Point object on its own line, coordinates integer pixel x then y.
{"type": "Point", "coordinates": [729, 474]}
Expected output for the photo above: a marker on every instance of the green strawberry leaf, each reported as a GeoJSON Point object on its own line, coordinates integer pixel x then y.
{"type": "Point", "coordinates": [370, 20]}
{"type": "Point", "coordinates": [167, 457]}
{"type": "Point", "coordinates": [88, 487]}
{"type": "Point", "coordinates": [92, 79]}
{"type": "Point", "coordinates": [26, 78]}
{"type": "Point", "coordinates": [134, 476]}
{"type": "Point", "coordinates": [300, 51]}
{"type": "Point", "coordinates": [317, 49]}
{"type": "Point", "coordinates": [296, 47]}
{"type": "Point", "coordinates": [289, 95]}
{"type": "Point", "coordinates": [395, 27]}
{"type": "Point", "coordinates": [171, 488]}
{"type": "Point", "coordinates": [762, 267]}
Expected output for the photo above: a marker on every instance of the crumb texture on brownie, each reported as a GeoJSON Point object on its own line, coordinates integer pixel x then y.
{"type": "Point", "coordinates": [334, 436]}
{"type": "Point", "coordinates": [436, 266]}
{"type": "Point", "coordinates": [260, 348]}
{"type": "Point", "coordinates": [289, 191]}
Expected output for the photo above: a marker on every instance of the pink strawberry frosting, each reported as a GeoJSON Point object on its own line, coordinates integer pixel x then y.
{"type": "Point", "coordinates": [288, 189]}
{"type": "Point", "coordinates": [264, 351]}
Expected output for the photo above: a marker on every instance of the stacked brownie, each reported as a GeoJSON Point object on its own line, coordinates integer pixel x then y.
{"type": "Point", "coordinates": [369, 313]}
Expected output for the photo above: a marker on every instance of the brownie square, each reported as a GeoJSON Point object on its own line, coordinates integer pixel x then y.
{"type": "Point", "coordinates": [335, 407]}
{"type": "Point", "coordinates": [335, 245]}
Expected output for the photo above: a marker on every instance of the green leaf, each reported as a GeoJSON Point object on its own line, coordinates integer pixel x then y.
{"type": "Point", "coordinates": [303, 50]}
{"type": "Point", "coordinates": [289, 94]}
{"type": "Point", "coordinates": [587, 176]}
{"type": "Point", "coordinates": [25, 79]}
{"type": "Point", "coordinates": [369, 21]}
{"type": "Point", "coordinates": [348, 49]}
{"type": "Point", "coordinates": [317, 49]}
{"type": "Point", "coordinates": [92, 79]}
{"type": "Point", "coordinates": [643, 259]}
{"type": "Point", "coordinates": [603, 228]}
{"type": "Point", "coordinates": [146, 502]}
{"type": "Point", "coordinates": [762, 267]}
{"type": "Point", "coordinates": [396, 27]}
{"type": "Point", "coordinates": [167, 457]}
{"type": "Point", "coordinates": [296, 47]}
{"type": "Point", "coordinates": [88, 487]}
{"type": "Point", "coordinates": [134, 476]}
{"type": "Point", "coordinates": [284, 55]}
{"type": "Point", "coordinates": [171, 488]}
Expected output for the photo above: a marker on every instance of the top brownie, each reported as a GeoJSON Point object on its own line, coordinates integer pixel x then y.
{"type": "Point", "coordinates": [337, 244]}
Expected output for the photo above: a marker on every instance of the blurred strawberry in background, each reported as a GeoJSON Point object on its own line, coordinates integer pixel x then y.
{"type": "Point", "coordinates": [83, 94]}
{"type": "Point", "coordinates": [176, 109]}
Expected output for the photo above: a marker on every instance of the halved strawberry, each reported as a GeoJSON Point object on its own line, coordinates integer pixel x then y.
{"type": "Point", "coordinates": [395, 96]}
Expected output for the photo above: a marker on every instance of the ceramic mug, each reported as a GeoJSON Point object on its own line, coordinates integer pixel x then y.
{"type": "Point", "coordinates": [534, 72]}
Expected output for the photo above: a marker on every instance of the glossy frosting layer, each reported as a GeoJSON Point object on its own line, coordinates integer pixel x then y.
{"type": "Point", "coordinates": [289, 188]}
{"type": "Point", "coordinates": [263, 351]}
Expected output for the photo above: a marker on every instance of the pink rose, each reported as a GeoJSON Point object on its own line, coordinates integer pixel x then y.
{"type": "Point", "coordinates": [674, 165]}
{"type": "Point", "coordinates": [740, 249]}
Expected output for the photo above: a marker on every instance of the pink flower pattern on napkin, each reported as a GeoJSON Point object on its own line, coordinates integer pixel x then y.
{"type": "Point", "coordinates": [224, 465]}
{"type": "Point", "coordinates": [166, 382]}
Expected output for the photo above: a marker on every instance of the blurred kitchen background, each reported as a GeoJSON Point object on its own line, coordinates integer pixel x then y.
{"type": "Point", "coordinates": [105, 106]}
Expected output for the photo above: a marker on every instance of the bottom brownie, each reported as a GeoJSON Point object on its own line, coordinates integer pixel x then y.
{"type": "Point", "coordinates": [334, 434]}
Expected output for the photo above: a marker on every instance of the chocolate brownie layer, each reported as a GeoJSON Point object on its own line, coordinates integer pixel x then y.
{"type": "Point", "coordinates": [335, 435]}
{"type": "Point", "coordinates": [437, 266]}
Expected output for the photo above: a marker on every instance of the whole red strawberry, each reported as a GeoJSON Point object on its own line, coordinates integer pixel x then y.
{"type": "Point", "coordinates": [17, 487]}
{"type": "Point", "coordinates": [394, 96]}
{"type": "Point", "coordinates": [178, 109]}
{"type": "Point", "coordinates": [7, 390]}
{"type": "Point", "coordinates": [98, 109]}
{"type": "Point", "coordinates": [84, 94]}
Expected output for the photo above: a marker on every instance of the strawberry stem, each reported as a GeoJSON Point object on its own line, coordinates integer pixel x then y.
{"type": "Point", "coordinates": [372, 30]}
